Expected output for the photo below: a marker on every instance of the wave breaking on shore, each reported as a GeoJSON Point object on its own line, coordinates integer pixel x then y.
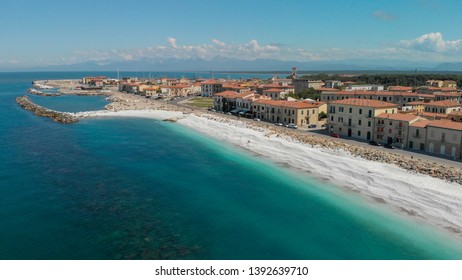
{"type": "Point", "coordinates": [421, 196]}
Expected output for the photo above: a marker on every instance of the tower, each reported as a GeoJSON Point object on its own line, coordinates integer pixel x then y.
{"type": "Point", "coordinates": [294, 72]}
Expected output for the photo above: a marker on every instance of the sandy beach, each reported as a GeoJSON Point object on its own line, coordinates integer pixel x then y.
{"type": "Point", "coordinates": [415, 188]}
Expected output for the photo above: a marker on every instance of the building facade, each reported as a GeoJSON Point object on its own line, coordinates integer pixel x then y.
{"type": "Point", "coordinates": [300, 113]}
{"type": "Point", "coordinates": [355, 117]}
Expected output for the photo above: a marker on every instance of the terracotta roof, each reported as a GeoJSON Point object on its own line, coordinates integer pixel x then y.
{"type": "Point", "coordinates": [272, 90]}
{"type": "Point", "coordinates": [399, 88]}
{"type": "Point", "coordinates": [446, 124]}
{"type": "Point", "coordinates": [291, 104]}
{"type": "Point", "coordinates": [373, 93]}
{"type": "Point", "coordinates": [433, 115]}
{"type": "Point", "coordinates": [431, 96]}
{"type": "Point", "coordinates": [451, 94]}
{"type": "Point", "coordinates": [364, 103]}
{"type": "Point", "coordinates": [326, 89]}
{"type": "Point", "coordinates": [275, 86]}
{"type": "Point", "coordinates": [228, 94]}
{"type": "Point", "coordinates": [444, 103]}
{"type": "Point", "coordinates": [398, 117]}
{"type": "Point", "coordinates": [416, 103]}
{"type": "Point", "coordinates": [420, 123]}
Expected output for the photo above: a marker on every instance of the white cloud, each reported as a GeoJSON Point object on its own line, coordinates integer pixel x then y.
{"type": "Point", "coordinates": [218, 43]}
{"type": "Point", "coordinates": [249, 51]}
{"type": "Point", "coordinates": [429, 47]}
{"type": "Point", "coordinates": [172, 42]}
{"type": "Point", "coordinates": [433, 42]}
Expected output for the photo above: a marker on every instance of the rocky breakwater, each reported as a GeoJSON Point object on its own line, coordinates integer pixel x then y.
{"type": "Point", "coordinates": [408, 162]}
{"type": "Point", "coordinates": [57, 116]}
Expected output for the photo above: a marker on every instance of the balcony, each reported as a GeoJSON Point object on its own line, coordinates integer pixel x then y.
{"type": "Point", "coordinates": [418, 136]}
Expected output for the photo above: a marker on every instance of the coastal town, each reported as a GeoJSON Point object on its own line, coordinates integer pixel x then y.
{"type": "Point", "coordinates": [425, 119]}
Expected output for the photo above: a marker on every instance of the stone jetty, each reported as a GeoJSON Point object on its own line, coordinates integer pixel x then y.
{"type": "Point", "coordinates": [44, 112]}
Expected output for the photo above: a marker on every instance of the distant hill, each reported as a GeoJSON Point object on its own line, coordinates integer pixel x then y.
{"type": "Point", "coordinates": [229, 64]}
{"type": "Point", "coordinates": [449, 66]}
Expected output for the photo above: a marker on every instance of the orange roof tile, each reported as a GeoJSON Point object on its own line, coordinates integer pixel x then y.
{"type": "Point", "coordinates": [420, 123]}
{"type": "Point", "coordinates": [291, 104]}
{"type": "Point", "coordinates": [398, 117]}
{"type": "Point", "coordinates": [364, 103]}
{"type": "Point", "coordinates": [433, 115]}
{"type": "Point", "coordinates": [416, 103]}
{"type": "Point", "coordinates": [228, 94]}
{"type": "Point", "coordinates": [446, 124]}
{"type": "Point", "coordinates": [399, 88]}
{"type": "Point", "coordinates": [444, 103]}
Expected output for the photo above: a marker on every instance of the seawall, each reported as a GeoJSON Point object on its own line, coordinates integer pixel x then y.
{"type": "Point", "coordinates": [38, 110]}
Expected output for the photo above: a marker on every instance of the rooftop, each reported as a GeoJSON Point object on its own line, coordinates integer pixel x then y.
{"type": "Point", "coordinates": [398, 117]}
{"type": "Point", "coordinates": [291, 104]}
{"type": "Point", "coordinates": [365, 103]}
{"type": "Point", "coordinates": [444, 103]}
{"type": "Point", "coordinates": [446, 124]}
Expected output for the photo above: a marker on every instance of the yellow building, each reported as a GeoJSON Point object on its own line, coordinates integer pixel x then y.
{"type": "Point", "coordinates": [442, 107]}
{"type": "Point", "coordinates": [355, 117]}
{"type": "Point", "coordinates": [300, 113]}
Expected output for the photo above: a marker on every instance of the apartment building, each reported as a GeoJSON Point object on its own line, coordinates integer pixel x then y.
{"type": "Point", "coordinates": [300, 113]}
{"type": "Point", "coordinates": [211, 87]}
{"type": "Point", "coordinates": [394, 128]}
{"type": "Point", "coordinates": [444, 137]}
{"type": "Point", "coordinates": [417, 135]}
{"type": "Point", "coordinates": [354, 117]}
{"type": "Point", "coordinates": [442, 106]}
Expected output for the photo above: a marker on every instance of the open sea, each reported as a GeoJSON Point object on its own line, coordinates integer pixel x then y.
{"type": "Point", "coordinates": [127, 188]}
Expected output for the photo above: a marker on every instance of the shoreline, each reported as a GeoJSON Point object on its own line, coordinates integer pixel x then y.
{"type": "Point", "coordinates": [417, 196]}
{"type": "Point", "coordinates": [419, 189]}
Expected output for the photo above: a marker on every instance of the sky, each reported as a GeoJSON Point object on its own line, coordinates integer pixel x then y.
{"type": "Point", "coordinates": [43, 33]}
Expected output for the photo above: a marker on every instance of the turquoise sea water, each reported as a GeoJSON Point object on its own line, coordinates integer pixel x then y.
{"type": "Point", "coordinates": [145, 189]}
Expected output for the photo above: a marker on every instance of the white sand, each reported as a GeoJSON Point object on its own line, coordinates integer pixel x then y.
{"type": "Point", "coordinates": [423, 196]}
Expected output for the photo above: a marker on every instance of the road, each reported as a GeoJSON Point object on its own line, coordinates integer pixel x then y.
{"type": "Point", "coordinates": [324, 134]}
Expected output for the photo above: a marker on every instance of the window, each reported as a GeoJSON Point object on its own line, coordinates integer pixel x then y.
{"type": "Point", "coordinates": [369, 114]}
{"type": "Point", "coordinates": [340, 109]}
{"type": "Point", "coordinates": [332, 118]}
{"type": "Point", "coordinates": [369, 123]}
{"type": "Point", "coordinates": [360, 111]}
{"type": "Point", "coordinates": [359, 122]}
{"type": "Point", "coordinates": [301, 112]}
{"type": "Point", "coordinates": [359, 133]}
{"type": "Point", "coordinates": [443, 137]}
{"type": "Point", "coordinates": [391, 123]}
{"type": "Point", "coordinates": [350, 110]}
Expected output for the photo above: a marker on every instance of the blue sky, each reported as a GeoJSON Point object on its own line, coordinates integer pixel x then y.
{"type": "Point", "coordinates": [38, 33]}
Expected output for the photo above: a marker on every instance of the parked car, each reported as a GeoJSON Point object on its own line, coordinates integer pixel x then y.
{"type": "Point", "coordinates": [388, 146]}
{"type": "Point", "coordinates": [256, 119]}
{"type": "Point", "coordinates": [312, 126]}
{"type": "Point", "coordinates": [374, 143]}
{"type": "Point", "coordinates": [278, 124]}
{"type": "Point", "coordinates": [291, 125]}
{"type": "Point", "coordinates": [335, 135]}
